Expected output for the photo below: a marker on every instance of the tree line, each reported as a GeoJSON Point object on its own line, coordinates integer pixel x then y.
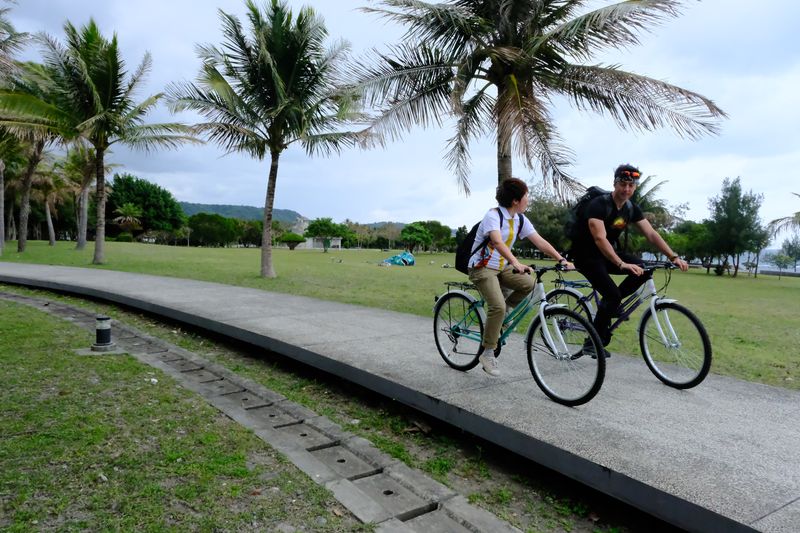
{"type": "Point", "coordinates": [493, 67]}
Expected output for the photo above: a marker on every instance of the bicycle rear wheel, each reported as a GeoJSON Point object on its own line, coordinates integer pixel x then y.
{"type": "Point", "coordinates": [458, 330]}
{"type": "Point", "coordinates": [559, 367]}
{"type": "Point", "coordinates": [571, 300]}
{"type": "Point", "coordinates": [682, 357]}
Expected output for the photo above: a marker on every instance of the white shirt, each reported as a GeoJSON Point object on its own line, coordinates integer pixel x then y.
{"type": "Point", "coordinates": [509, 232]}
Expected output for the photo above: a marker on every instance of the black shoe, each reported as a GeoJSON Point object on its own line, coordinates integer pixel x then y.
{"type": "Point", "coordinates": [589, 349]}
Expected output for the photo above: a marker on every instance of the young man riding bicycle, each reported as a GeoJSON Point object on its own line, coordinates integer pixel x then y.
{"type": "Point", "coordinates": [596, 252]}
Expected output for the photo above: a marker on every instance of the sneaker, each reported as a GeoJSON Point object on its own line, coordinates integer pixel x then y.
{"type": "Point", "coordinates": [489, 363]}
{"type": "Point", "coordinates": [588, 349]}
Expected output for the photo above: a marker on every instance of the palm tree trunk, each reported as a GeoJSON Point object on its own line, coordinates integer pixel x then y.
{"type": "Point", "coordinates": [11, 230]}
{"type": "Point", "coordinates": [504, 163]}
{"type": "Point", "coordinates": [100, 231]}
{"type": "Point", "coordinates": [25, 206]}
{"type": "Point", "coordinates": [51, 232]}
{"type": "Point", "coordinates": [83, 218]}
{"type": "Point", "coordinates": [2, 206]}
{"type": "Point", "coordinates": [267, 270]}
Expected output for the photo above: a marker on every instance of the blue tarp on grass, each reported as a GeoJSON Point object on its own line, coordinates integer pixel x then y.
{"type": "Point", "coordinates": [401, 259]}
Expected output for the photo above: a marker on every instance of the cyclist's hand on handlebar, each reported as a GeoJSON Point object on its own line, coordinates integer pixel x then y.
{"type": "Point", "coordinates": [519, 267]}
{"type": "Point", "coordinates": [680, 263]}
{"type": "Point", "coordinates": [566, 265]}
{"type": "Point", "coordinates": [634, 269]}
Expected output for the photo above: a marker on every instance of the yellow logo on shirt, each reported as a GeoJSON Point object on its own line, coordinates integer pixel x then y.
{"type": "Point", "coordinates": [619, 223]}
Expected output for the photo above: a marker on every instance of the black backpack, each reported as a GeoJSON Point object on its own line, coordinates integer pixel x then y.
{"type": "Point", "coordinates": [467, 248]}
{"type": "Point", "coordinates": [577, 214]}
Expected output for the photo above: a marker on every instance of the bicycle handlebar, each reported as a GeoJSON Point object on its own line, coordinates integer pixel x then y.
{"type": "Point", "coordinates": [653, 265]}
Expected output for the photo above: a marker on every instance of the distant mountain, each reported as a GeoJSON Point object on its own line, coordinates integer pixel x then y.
{"type": "Point", "coordinates": [242, 212]}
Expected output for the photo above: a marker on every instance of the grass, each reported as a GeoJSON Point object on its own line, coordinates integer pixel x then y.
{"type": "Point", "coordinates": [517, 491]}
{"type": "Point", "coordinates": [752, 322]}
{"type": "Point", "coordinates": [105, 443]}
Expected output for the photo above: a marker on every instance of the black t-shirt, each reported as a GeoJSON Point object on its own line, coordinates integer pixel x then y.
{"type": "Point", "coordinates": [615, 222]}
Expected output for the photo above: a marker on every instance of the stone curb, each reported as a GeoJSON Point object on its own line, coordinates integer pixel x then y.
{"type": "Point", "coordinates": [373, 486]}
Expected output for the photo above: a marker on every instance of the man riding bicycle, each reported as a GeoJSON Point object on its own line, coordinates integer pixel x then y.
{"type": "Point", "coordinates": [596, 252]}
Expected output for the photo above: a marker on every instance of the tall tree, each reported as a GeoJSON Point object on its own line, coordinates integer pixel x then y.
{"type": "Point", "coordinates": [159, 209]}
{"type": "Point", "coordinates": [95, 97]}
{"type": "Point", "coordinates": [12, 158]}
{"type": "Point", "coordinates": [29, 83]}
{"type": "Point", "coordinates": [416, 234]}
{"type": "Point", "coordinates": [79, 166]}
{"type": "Point", "coordinates": [11, 42]}
{"type": "Point", "coordinates": [496, 66]}
{"type": "Point", "coordinates": [735, 226]}
{"type": "Point", "coordinates": [269, 86]}
{"type": "Point", "coordinates": [52, 188]}
{"type": "Point", "coordinates": [791, 248]}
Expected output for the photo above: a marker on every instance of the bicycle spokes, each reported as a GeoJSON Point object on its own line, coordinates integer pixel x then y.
{"type": "Point", "coordinates": [675, 345]}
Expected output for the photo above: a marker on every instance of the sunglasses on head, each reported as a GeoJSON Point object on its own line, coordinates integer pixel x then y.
{"type": "Point", "coordinates": [628, 175]}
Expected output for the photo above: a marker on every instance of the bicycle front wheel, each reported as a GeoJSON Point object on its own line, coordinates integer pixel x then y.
{"type": "Point", "coordinates": [556, 357]}
{"type": "Point", "coordinates": [458, 330]}
{"type": "Point", "coordinates": [675, 345]}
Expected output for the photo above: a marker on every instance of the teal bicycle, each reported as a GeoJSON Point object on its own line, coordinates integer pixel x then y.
{"type": "Point", "coordinates": [554, 340]}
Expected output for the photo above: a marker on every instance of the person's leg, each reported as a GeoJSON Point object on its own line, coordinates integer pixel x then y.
{"type": "Point", "coordinates": [520, 283]}
{"type": "Point", "coordinates": [596, 272]}
{"type": "Point", "coordinates": [488, 284]}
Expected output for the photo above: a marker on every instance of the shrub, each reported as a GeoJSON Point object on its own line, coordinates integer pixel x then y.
{"type": "Point", "coordinates": [124, 237]}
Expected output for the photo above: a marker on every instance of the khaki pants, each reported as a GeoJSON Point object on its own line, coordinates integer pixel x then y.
{"type": "Point", "coordinates": [490, 284]}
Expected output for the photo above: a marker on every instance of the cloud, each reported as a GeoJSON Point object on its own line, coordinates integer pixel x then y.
{"type": "Point", "coordinates": [743, 55]}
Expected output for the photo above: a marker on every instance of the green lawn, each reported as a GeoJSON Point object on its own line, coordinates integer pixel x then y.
{"type": "Point", "coordinates": [105, 443]}
{"type": "Point", "coordinates": [754, 323]}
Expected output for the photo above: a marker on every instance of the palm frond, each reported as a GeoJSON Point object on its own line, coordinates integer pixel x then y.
{"type": "Point", "coordinates": [639, 102]}
{"type": "Point", "coordinates": [474, 118]}
{"type": "Point", "coordinates": [614, 26]}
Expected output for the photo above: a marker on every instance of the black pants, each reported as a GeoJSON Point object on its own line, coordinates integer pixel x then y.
{"type": "Point", "coordinates": [597, 270]}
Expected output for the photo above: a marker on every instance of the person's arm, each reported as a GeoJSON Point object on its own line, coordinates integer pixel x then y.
{"type": "Point", "coordinates": [544, 245]}
{"type": "Point", "coordinates": [496, 242]}
{"type": "Point", "coordinates": [598, 231]}
{"type": "Point", "coordinates": [656, 240]}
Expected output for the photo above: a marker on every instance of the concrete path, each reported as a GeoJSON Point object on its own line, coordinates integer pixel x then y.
{"type": "Point", "coordinates": [722, 457]}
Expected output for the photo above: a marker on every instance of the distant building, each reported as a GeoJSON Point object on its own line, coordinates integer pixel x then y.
{"type": "Point", "coordinates": [301, 225]}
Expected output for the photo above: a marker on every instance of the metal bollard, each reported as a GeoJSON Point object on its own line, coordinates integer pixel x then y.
{"type": "Point", "coordinates": [103, 341]}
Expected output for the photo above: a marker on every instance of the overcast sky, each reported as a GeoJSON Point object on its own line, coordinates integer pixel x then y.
{"type": "Point", "coordinates": [742, 54]}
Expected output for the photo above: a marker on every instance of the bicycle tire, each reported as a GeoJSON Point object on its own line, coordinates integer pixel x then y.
{"type": "Point", "coordinates": [571, 300]}
{"type": "Point", "coordinates": [455, 313]}
{"type": "Point", "coordinates": [568, 378]}
{"type": "Point", "coordinates": [686, 361]}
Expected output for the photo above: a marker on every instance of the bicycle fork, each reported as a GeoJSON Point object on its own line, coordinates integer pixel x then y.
{"type": "Point", "coordinates": [664, 327]}
{"type": "Point", "coordinates": [553, 338]}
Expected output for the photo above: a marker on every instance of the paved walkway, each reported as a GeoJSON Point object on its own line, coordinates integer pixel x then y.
{"type": "Point", "coordinates": [722, 457]}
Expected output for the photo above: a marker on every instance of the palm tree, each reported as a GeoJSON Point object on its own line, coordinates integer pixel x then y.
{"type": "Point", "coordinates": [52, 187]}
{"type": "Point", "coordinates": [79, 166]}
{"type": "Point", "coordinates": [495, 65]}
{"type": "Point", "coordinates": [128, 217]}
{"type": "Point", "coordinates": [780, 224]}
{"type": "Point", "coordinates": [12, 157]}
{"type": "Point", "coordinates": [263, 90]}
{"type": "Point", "coordinates": [95, 96]}
{"type": "Point", "coordinates": [30, 82]}
{"type": "Point", "coordinates": [11, 42]}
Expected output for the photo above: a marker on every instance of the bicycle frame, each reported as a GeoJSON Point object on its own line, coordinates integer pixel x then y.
{"type": "Point", "coordinates": [538, 296]}
{"type": "Point", "coordinates": [647, 291]}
